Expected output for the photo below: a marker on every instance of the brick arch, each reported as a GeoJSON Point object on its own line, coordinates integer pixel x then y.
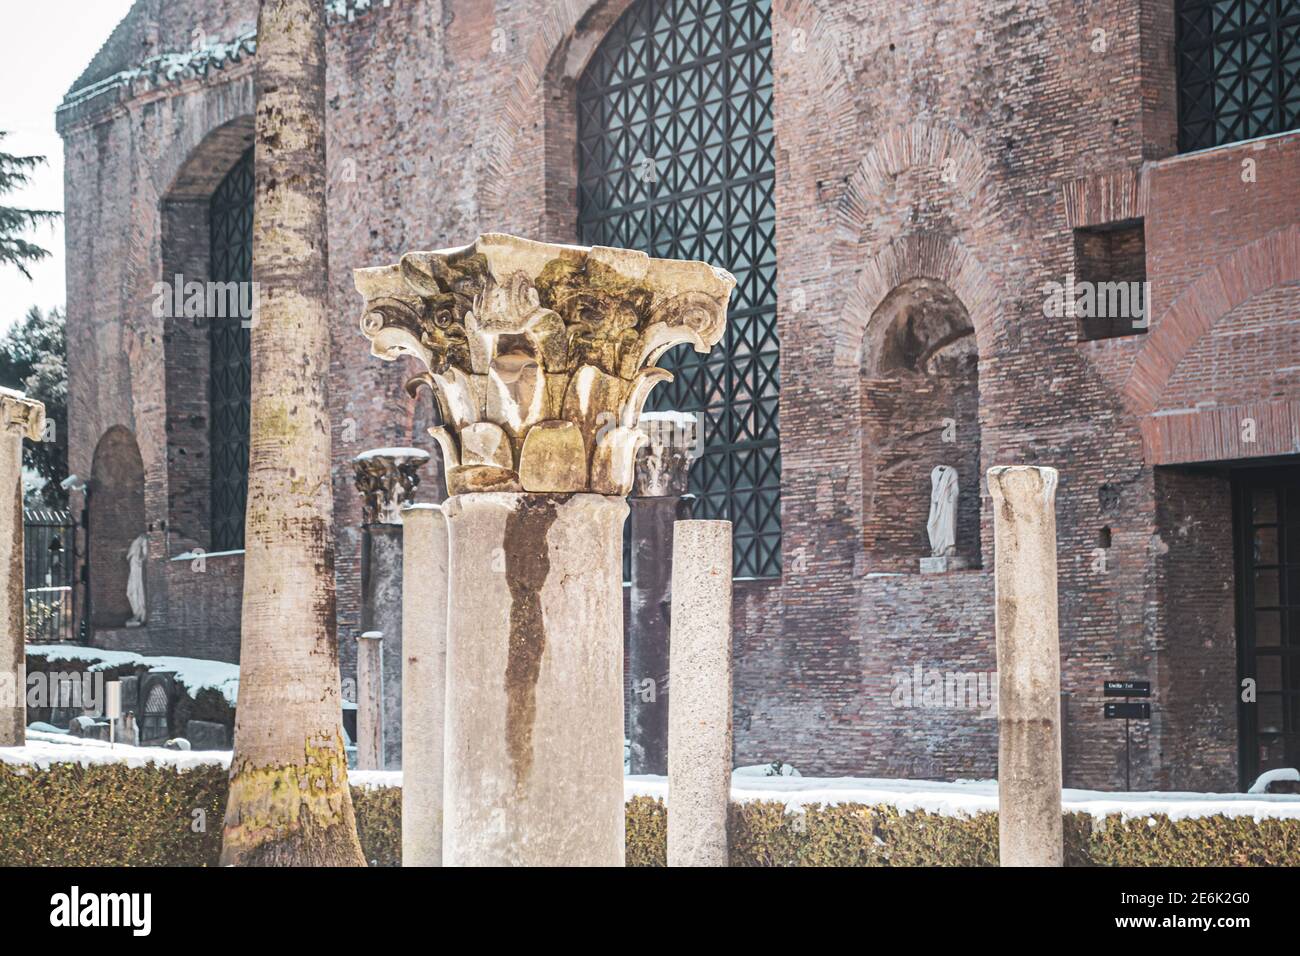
{"type": "Point", "coordinates": [823, 70]}
{"type": "Point", "coordinates": [921, 255]}
{"type": "Point", "coordinates": [935, 145]}
{"type": "Point", "coordinates": [1269, 261]}
{"type": "Point", "coordinates": [546, 59]}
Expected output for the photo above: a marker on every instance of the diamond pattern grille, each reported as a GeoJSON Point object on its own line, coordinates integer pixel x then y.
{"type": "Point", "coordinates": [1238, 70]}
{"type": "Point", "coordinates": [231, 224]}
{"type": "Point", "coordinates": [675, 158]}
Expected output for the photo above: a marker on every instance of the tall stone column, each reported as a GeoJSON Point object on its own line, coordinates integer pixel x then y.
{"type": "Point", "coordinates": [20, 417]}
{"type": "Point", "coordinates": [659, 498]}
{"type": "Point", "coordinates": [387, 479]}
{"type": "Point", "coordinates": [370, 701]}
{"type": "Point", "coordinates": [699, 723]}
{"type": "Point", "coordinates": [541, 358]}
{"type": "Point", "coordinates": [1029, 666]}
{"type": "Point", "coordinates": [424, 682]}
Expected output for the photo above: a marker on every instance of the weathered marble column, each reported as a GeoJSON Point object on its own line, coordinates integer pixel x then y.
{"type": "Point", "coordinates": [541, 357]}
{"type": "Point", "coordinates": [387, 479]}
{"type": "Point", "coordinates": [659, 498]}
{"type": "Point", "coordinates": [699, 723]}
{"type": "Point", "coordinates": [370, 701]}
{"type": "Point", "coordinates": [424, 682]}
{"type": "Point", "coordinates": [19, 417]}
{"type": "Point", "coordinates": [1029, 666]}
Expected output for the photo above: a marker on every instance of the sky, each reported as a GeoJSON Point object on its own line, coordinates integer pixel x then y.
{"type": "Point", "coordinates": [44, 47]}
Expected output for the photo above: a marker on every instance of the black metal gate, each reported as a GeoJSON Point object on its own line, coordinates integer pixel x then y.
{"type": "Point", "coordinates": [1238, 70]}
{"type": "Point", "coordinates": [231, 223]}
{"type": "Point", "coordinates": [1268, 627]}
{"type": "Point", "coordinates": [675, 158]}
{"type": "Point", "coordinates": [49, 563]}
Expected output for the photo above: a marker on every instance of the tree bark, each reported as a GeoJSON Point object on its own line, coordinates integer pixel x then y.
{"type": "Point", "coordinates": [289, 801]}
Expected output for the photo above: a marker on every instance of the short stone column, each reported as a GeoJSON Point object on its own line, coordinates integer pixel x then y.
{"type": "Point", "coordinates": [1029, 666]}
{"type": "Point", "coordinates": [659, 498]}
{"type": "Point", "coordinates": [541, 357]}
{"type": "Point", "coordinates": [370, 701]}
{"type": "Point", "coordinates": [20, 417]}
{"type": "Point", "coordinates": [387, 479]}
{"type": "Point", "coordinates": [699, 723]}
{"type": "Point", "coordinates": [424, 682]}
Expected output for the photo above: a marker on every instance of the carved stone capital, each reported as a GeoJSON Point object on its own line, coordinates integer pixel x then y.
{"type": "Point", "coordinates": [387, 479]}
{"type": "Point", "coordinates": [541, 356]}
{"type": "Point", "coordinates": [663, 463]}
{"type": "Point", "coordinates": [21, 415]}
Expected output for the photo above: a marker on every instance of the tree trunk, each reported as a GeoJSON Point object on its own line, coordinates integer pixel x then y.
{"type": "Point", "coordinates": [289, 801]}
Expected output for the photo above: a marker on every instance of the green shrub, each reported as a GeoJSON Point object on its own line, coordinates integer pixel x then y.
{"type": "Point", "coordinates": [113, 815]}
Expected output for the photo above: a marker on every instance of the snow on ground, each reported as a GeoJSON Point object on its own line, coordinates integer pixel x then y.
{"type": "Point", "coordinates": [194, 673]}
{"type": "Point", "coordinates": [962, 798]}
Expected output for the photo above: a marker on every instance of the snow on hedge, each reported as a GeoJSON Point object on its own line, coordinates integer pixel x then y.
{"type": "Point", "coordinates": [961, 799]}
{"type": "Point", "coordinates": [194, 673]}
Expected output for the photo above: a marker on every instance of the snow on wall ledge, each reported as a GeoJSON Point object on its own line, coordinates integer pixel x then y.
{"type": "Point", "coordinates": [961, 799]}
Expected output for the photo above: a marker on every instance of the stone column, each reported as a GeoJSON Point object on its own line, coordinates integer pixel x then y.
{"type": "Point", "coordinates": [699, 723]}
{"type": "Point", "coordinates": [387, 479]}
{"type": "Point", "coordinates": [370, 701]}
{"type": "Point", "coordinates": [1029, 666]}
{"type": "Point", "coordinates": [424, 682]}
{"type": "Point", "coordinates": [541, 358]}
{"type": "Point", "coordinates": [659, 498]}
{"type": "Point", "coordinates": [19, 417]}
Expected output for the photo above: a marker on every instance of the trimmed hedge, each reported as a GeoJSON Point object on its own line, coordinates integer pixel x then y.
{"type": "Point", "coordinates": [112, 815]}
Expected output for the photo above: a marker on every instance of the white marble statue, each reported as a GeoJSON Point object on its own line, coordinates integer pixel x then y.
{"type": "Point", "coordinates": [942, 525]}
{"type": "Point", "coordinates": [135, 557]}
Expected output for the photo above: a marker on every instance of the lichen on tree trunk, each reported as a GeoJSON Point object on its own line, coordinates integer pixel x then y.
{"type": "Point", "coordinates": [289, 801]}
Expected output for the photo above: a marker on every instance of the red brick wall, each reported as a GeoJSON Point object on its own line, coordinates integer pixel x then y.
{"type": "Point", "coordinates": [944, 142]}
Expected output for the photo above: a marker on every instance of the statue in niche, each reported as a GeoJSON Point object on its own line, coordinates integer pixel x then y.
{"type": "Point", "coordinates": [135, 558]}
{"type": "Point", "coordinates": [942, 526]}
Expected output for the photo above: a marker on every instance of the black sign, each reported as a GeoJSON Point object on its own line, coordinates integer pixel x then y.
{"type": "Point", "coordinates": [1126, 688]}
{"type": "Point", "coordinates": [1127, 711]}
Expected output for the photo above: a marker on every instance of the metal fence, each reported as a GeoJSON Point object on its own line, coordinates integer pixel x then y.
{"type": "Point", "coordinates": [49, 560]}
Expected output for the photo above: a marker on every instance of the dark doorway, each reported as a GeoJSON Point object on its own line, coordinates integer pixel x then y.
{"type": "Point", "coordinates": [1267, 526]}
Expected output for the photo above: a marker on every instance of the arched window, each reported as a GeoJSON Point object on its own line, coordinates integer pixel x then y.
{"type": "Point", "coordinates": [675, 158]}
{"type": "Point", "coordinates": [230, 221]}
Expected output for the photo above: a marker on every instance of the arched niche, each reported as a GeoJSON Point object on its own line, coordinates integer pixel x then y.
{"type": "Point", "coordinates": [919, 394]}
{"type": "Point", "coordinates": [116, 519]}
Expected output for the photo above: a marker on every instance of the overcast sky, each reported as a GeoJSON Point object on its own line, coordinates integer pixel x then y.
{"type": "Point", "coordinates": [44, 46]}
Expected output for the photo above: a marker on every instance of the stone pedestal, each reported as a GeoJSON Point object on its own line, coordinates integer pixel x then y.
{"type": "Point", "coordinates": [424, 682]}
{"type": "Point", "coordinates": [699, 723]}
{"type": "Point", "coordinates": [541, 358]}
{"type": "Point", "coordinates": [534, 758]}
{"type": "Point", "coordinates": [370, 700]}
{"type": "Point", "coordinates": [943, 563]}
{"type": "Point", "coordinates": [387, 479]}
{"type": "Point", "coordinates": [659, 498]}
{"type": "Point", "coordinates": [19, 417]}
{"type": "Point", "coordinates": [1029, 666]}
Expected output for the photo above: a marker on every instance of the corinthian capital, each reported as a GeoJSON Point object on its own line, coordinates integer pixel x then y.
{"type": "Point", "coordinates": [541, 356]}
{"type": "Point", "coordinates": [21, 415]}
{"type": "Point", "coordinates": [387, 479]}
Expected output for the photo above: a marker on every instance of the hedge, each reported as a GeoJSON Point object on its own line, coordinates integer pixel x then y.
{"type": "Point", "coordinates": [113, 815]}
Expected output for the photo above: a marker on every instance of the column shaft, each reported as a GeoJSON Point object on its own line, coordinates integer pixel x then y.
{"type": "Point", "coordinates": [370, 701]}
{"type": "Point", "coordinates": [534, 752]}
{"type": "Point", "coordinates": [13, 658]}
{"type": "Point", "coordinates": [424, 682]}
{"type": "Point", "coordinates": [651, 521]}
{"type": "Point", "coordinates": [381, 589]}
{"type": "Point", "coordinates": [1029, 666]}
{"type": "Point", "coordinates": [699, 722]}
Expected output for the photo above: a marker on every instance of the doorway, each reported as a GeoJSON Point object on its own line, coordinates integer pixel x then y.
{"type": "Point", "coordinates": [1267, 530]}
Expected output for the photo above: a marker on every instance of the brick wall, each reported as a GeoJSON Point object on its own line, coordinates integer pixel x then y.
{"type": "Point", "coordinates": [961, 144]}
